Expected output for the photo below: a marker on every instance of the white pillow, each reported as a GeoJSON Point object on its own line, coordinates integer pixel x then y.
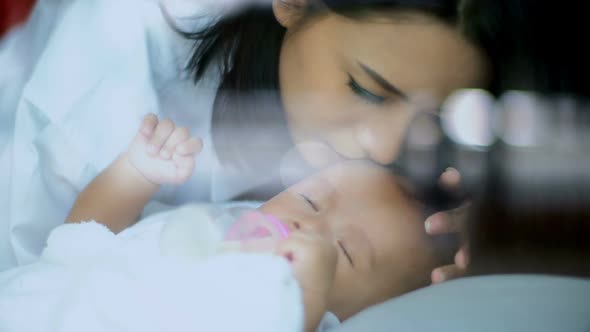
{"type": "Point", "coordinates": [487, 303]}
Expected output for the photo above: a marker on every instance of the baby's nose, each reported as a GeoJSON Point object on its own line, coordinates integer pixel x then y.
{"type": "Point", "coordinates": [307, 226]}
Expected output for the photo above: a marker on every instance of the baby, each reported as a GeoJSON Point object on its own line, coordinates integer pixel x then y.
{"type": "Point", "coordinates": [355, 238]}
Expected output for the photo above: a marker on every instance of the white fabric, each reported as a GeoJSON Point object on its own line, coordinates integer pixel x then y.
{"type": "Point", "coordinates": [18, 53]}
{"type": "Point", "coordinates": [186, 232]}
{"type": "Point", "coordinates": [89, 70]}
{"type": "Point", "coordinates": [88, 279]}
{"type": "Point", "coordinates": [176, 233]}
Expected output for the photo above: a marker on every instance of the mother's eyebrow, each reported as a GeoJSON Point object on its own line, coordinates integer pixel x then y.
{"type": "Point", "coordinates": [385, 84]}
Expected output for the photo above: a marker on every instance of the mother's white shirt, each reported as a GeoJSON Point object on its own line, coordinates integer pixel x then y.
{"type": "Point", "coordinates": [80, 76]}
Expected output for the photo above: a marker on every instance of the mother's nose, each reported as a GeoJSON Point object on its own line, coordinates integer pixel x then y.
{"type": "Point", "coordinates": [381, 136]}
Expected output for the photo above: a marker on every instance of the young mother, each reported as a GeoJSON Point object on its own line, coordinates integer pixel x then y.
{"type": "Point", "coordinates": [324, 80]}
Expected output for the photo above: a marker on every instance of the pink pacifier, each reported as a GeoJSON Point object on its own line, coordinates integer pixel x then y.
{"type": "Point", "coordinates": [259, 230]}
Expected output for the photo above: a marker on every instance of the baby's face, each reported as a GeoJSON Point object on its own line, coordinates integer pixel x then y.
{"type": "Point", "coordinates": [376, 229]}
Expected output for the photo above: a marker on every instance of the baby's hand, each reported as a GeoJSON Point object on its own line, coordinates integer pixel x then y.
{"type": "Point", "coordinates": [162, 153]}
{"type": "Point", "coordinates": [313, 260]}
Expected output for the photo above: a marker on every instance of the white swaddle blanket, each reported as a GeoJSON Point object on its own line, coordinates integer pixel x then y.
{"type": "Point", "coordinates": [89, 279]}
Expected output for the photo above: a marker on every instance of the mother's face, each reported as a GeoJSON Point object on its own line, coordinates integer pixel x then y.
{"type": "Point", "coordinates": [349, 86]}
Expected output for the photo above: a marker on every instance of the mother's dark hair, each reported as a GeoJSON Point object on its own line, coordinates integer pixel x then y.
{"type": "Point", "coordinates": [246, 47]}
{"type": "Point", "coordinates": [533, 45]}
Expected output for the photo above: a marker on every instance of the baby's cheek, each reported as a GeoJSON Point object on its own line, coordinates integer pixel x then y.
{"type": "Point", "coordinates": [345, 297]}
{"type": "Point", "coordinates": [341, 285]}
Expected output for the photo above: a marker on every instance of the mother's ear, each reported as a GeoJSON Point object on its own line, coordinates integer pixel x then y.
{"type": "Point", "coordinates": [289, 12]}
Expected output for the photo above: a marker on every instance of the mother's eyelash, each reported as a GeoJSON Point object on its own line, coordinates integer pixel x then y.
{"type": "Point", "coordinates": [364, 93]}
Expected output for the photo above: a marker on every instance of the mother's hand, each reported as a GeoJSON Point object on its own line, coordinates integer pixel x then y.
{"type": "Point", "coordinates": [449, 222]}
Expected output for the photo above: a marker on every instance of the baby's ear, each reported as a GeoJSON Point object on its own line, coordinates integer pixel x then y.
{"type": "Point", "coordinates": [289, 12]}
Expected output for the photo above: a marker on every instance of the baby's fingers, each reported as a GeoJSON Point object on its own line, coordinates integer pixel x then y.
{"type": "Point", "coordinates": [163, 130]}
{"type": "Point", "coordinates": [189, 147]}
{"type": "Point", "coordinates": [178, 135]}
{"type": "Point", "coordinates": [148, 126]}
{"type": "Point", "coordinates": [184, 167]}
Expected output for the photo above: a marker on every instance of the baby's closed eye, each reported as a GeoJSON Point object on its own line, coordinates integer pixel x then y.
{"type": "Point", "coordinates": [345, 251]}
{"type": "Point", "coordinates": [311, 203]}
